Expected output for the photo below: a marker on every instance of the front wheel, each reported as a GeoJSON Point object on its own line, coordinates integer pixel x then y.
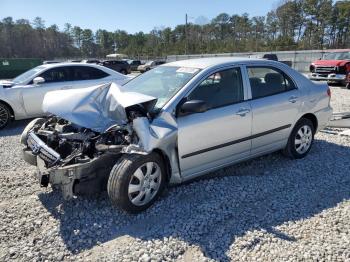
{"type": "Point", "coordinates": [136, 181]}
{"type": "Point", "coordinates": [300, 140]}
{"type": "Point", "coordinates": [5, 115]}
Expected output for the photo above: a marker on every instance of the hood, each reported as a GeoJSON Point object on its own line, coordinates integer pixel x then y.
{"type": "Point", "coordinates": [330, 62]}
{"type": "Point", "coordinates": [97, 107]}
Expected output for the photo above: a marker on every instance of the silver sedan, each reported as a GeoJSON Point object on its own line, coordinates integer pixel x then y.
{"type": "Point", "coordinates": [23, 96]}
{"type": "Point", "coordinates": [172, 124]}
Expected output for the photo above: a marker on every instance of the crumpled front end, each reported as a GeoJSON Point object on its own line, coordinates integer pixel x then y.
{"type": "Point", "coordinates": [76, 159]}
{"type": "Point", "coordinates": [76, 148]}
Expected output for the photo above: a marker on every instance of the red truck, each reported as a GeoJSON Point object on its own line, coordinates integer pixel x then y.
{"type": "Point", "coordinates": [333, 67]}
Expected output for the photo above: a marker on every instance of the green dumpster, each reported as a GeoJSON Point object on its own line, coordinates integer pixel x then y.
{"type": "Point", "coordinates": [12, 67]}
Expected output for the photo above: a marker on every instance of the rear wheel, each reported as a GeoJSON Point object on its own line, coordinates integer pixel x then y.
{"type": "Point", "coordinates": [300, 140]}
{"type": "Point", "coordinates": [5, 115]}
{"type": "Point", "coordinates": [136, 181]}
{"type": "Point", "coordinates": [123, 71]}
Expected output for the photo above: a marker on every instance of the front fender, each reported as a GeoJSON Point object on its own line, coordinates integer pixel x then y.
{"type": "Point", "coordinates": [13, 98]}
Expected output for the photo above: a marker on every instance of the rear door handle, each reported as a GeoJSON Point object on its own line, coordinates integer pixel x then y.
{"type": "Point", "coordinates": [293, 99]}
{"type": "Point", "coordinates": [243, 111]}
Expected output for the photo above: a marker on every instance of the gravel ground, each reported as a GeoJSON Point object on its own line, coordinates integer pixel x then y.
{"type": "Point", "coordinates": [340, 99]}
{"type": "Point", "coordinates": [270, 208]}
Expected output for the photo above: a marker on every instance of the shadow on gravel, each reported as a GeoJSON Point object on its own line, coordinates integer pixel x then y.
{"type": "Point", "coordinates": [260, 194]}
{"type": "Point", "coordinates": [14, 128]}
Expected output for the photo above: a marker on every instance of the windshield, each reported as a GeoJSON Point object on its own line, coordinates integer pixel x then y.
{"type": "Point", "coordinates": [162, 82]}
{"type": "Point", "coordinates": [27, 75]}
{"type": "Point", "coordinates": [337, 56]}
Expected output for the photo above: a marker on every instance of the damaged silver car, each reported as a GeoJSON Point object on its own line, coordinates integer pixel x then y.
{"type": "Point", "coordinates": [172, 124]}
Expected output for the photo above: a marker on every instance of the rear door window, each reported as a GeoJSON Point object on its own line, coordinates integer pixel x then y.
{"type": "Point", "coordinates": [87, 73]}
{"type": "Point", "coordinates": [267, 81]}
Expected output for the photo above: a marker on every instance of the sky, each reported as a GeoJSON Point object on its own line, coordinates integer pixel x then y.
{"type": "Point", "coordinates": [130, 15]}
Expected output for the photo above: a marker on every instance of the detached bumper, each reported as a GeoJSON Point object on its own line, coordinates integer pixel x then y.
{"type": "Point", "coordinates": [79, 179]}
{"type": "Point", "coordinates": [329, 77]}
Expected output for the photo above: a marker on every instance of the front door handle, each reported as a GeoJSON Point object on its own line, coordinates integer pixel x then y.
{"type": "Point", "coordinates": [293, 99]}
{"type": "Point", "coordinates": [243, 111]}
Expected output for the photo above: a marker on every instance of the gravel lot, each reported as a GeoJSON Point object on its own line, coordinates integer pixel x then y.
{"type": "Point", "coordinates": [341, 99]}
{"type": "Point", "coordinates": [270, 208]}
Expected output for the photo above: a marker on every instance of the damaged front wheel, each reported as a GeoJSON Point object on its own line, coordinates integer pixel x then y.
{"type": "Point", "coordinates": [136, 181]}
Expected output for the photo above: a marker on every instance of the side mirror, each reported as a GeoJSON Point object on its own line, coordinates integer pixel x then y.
{"type": "Point", "coordinates": [193, 106]}
{"type": "Point", "coordinates": [38, 80]}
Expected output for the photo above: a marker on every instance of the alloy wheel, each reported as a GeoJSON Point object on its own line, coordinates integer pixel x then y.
{"type": "Point", "coordinates": [4, 116]}
{"type": "Point", "coordinates": [144, 183]}
{"type": "Point", "coordinates": [303, 139]}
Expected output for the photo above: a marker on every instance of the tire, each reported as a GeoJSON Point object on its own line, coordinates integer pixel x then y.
{"type": "Point", "coordinates": [348, 85]}
{"type": "Point", "coordinates": [5, 115]}
{"type": "Point", "coordinates": [130, 174]}
{"type": "Point", "coordinates": [294, 149]}
{"type": "Point", "coordinates": [123, 72]}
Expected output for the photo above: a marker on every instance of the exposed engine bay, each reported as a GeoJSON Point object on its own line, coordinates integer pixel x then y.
{"type": "Point", "coordinates": [75, 144]}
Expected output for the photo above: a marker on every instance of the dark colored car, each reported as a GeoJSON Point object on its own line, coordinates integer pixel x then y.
{"type": "Point", "coordinates": [120, 66]}
{"type": "Point", "coordinates": [134, 64]}
{"type": "Point", "coordinates": [50, 62]}
{"type": "Point", "coordinates": [270, 57]}
{"type": "Point", "coordinates": [91, 61]}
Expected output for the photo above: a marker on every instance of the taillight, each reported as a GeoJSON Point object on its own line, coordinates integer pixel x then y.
{"type": "Point", "coordinates": [329, 93]}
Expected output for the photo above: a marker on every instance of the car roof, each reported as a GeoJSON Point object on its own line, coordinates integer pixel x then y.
{"type": "Point", "coordinates": [106, 69]}
{"type": "Point", "coordinates": [46, 66]}
{"type": "Point", "coordinates": [203, 63]}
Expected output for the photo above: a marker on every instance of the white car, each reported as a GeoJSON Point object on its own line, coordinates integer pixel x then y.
{"type": "Point", "coordinates": [22, 97]}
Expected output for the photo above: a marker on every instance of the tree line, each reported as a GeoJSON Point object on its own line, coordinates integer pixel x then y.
{"type": "Point", "coordinates": [292, 25]}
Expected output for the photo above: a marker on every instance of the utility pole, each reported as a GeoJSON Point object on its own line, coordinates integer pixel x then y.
{"type": "Point", "coordinates": [115, 46]}
{"type": "Point", "coordinates": [186, 44]}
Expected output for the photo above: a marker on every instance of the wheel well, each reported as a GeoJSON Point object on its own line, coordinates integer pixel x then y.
{"type": "Point", "coordinates": [166, 161]}
{"type": "Point", "coordinates": [11, 110]}
{"type": "Point", "coordinates": [312, 118]}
